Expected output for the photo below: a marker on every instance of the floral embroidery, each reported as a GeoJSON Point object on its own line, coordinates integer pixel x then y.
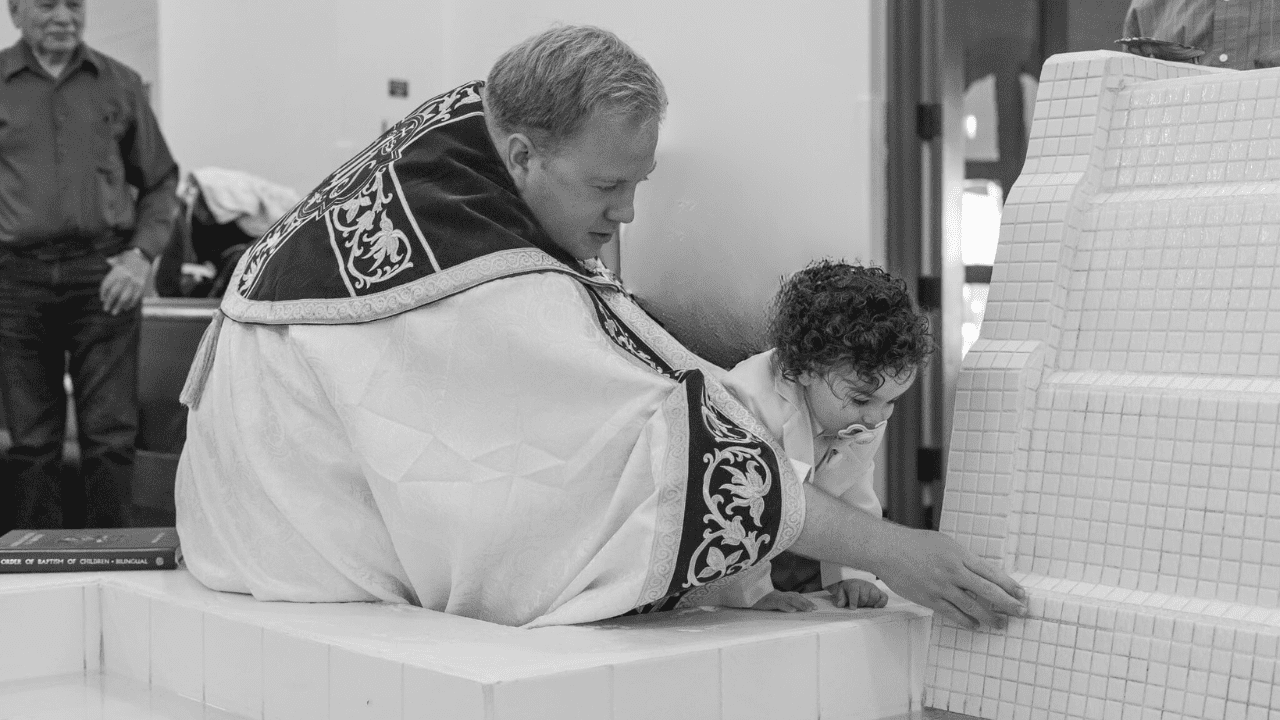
{"type": "Point", "coordinates": [749, 489]}
{"type": "Point", "coordinates": [747, 484]}
{"type": "Point", "coordinates": [355, 177]}
{"type": "Point", "coordinates": [624, 338]}
{"type": "Point", "coordinates": [720, 428]}
{"type": "Point", "coordinates": [387, 247]}
{"type": "Point", "coordinates": [732, 495]}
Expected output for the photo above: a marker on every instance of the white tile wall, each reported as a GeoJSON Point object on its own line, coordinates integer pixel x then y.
{"type": "Point", "coordinates": [295, 678]}
{"type": "Point", "coordinates": [177, 649]}
{"type": "Point", "coordinates": [862, 673]}
{"type": "Point", "coordinates": [1117, 426]}
{"type": "Point", "coordinates": [126, 642]}
{"type": "Point", "coordinates": [579, 695]}
{"type": "Point", "coordinates": [92, 628]}
{"type": "Point", "coordinates": [752, 690]}
{"type": "Point", "coordinates": [363, 687]}
{"type": "Point", "coordinates": [430, 695]}
{"type": "Point", "coordinates": [672, 687]}
{"type": "Point", "coordinates": [232, 665]}
{"type": "Point", "coordinates": [41, 633]}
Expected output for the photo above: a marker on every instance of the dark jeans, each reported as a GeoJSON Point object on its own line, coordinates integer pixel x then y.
{"type": "Point", "coordinates": [51, 322]}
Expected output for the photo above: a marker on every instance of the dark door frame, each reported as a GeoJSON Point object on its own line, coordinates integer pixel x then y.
{"type": "Point", "coordinates": [925, 179]}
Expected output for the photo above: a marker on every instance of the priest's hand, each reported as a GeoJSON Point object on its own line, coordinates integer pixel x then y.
{"type": "Point", "coordinates": [931, 569]}
{"type": "Point", "coordinates": [923, 566]}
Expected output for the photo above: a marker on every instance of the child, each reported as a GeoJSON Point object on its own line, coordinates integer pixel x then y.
{"type": "Point", "coordinates": [847, 341]}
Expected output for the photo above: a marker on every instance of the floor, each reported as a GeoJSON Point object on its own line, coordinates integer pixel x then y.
{"type": "Point", "coordinates": [98, 697]}
{"type": "Point", "coordinates": [108, 697]}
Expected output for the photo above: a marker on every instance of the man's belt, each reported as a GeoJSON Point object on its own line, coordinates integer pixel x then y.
{"type": "Point", "coordinates": [66, 248]}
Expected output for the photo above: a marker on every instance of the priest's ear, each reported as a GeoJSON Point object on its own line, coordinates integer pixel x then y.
{"type": "Point", "coordinates": [518, 156]}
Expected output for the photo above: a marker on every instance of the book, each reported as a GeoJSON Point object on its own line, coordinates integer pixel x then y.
{"type": "Point", "coordinates": [89, 550]}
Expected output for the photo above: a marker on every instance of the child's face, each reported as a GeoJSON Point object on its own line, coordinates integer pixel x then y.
{"type": "Point", "coordinates": [839, 399]}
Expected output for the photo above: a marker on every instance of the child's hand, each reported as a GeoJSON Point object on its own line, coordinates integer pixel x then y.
{"type": "Point", "coordinates": [784, 602]}
{"type": "Point", "coordinates": [857, 594]}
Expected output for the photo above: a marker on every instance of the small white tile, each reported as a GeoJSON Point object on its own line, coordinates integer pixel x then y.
{"type": "Point", "coordinates": [169, 707]}
{"type": "Point", "coordinates": [865, 671]}
{"type": "Point", "coordinates": [362, 687]}
{"type": "Point", "coordinates": [41, 633]}
{"type": "Point", "coordinates": [213, 713]}
{"type": "Point", "coordinates": [295, 678]}
{"type": "Point", "coordinates": [770, 679]}
{"type": "Point", "coordinates": [126, 634]}
{"type": "Point", "coordinates": [680, 686]}
{"type": "Point", "coordinates": [919, 631]}
{"type": "Point", "coordinates": [579, 695]}
{"type": "Point", "coordinates": [431, 695]}
{"type": "Point", "coordinates": [232, 666]}
{"type": "Point", "coordinates": [111, 697]}
{"type": "Point", "coordinates": [177, 649]}
{"type": "Point", "coordinates": [92, 628]}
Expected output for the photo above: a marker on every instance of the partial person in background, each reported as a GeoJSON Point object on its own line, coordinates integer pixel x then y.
{"type": "Point", "coordinates": [1239, 34]}
{"type": "Point", "coordinates": [77, 141]}
{"type": "Point", "coordinates": [221, 213]}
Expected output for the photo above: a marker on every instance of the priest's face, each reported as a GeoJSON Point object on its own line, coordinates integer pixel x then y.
{"type": "Point", "coordinates": [584, 190]}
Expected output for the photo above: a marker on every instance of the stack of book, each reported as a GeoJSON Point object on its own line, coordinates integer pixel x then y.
{"type": "Point", "coordinates": [24, 551]}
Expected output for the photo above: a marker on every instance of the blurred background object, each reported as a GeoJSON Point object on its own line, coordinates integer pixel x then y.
{"type": "Point", "coordinates": [1238, 34]}
{"type": "Point", "coordinates": [222, 212]}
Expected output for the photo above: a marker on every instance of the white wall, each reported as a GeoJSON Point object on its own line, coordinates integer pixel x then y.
{"type": "Point", "coordinates": [289, 89]}
{"type": "Point", "coordinates": [772, 152]}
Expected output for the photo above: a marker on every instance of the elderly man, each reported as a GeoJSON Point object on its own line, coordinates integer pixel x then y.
{"type": "Point", "coordinates": [429, 390]}
{"type": "Point", "coordinates": [76, 133]}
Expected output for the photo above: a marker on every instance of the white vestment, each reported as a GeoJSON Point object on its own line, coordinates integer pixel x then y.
{"type": "Point", "coordinates": [493, 454]}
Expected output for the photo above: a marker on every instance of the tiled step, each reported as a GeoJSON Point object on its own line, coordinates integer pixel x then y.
{"type": "Point", "coordinates": [1097, 654]}
{"type": "Point", "coordinates": [278, 661]}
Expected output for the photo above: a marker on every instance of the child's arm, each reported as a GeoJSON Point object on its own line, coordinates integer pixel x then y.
{"type": "Point", "coordinates": [857, 593]}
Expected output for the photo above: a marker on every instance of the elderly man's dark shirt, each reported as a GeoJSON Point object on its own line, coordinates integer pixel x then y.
{"type": "Point", "coordinates": [71, 148]}
{"type": "Point", "coordinates": [1233, 34]}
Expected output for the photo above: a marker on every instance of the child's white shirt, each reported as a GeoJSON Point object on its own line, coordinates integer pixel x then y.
{"type": "Point", "coordinates": [844, 469]}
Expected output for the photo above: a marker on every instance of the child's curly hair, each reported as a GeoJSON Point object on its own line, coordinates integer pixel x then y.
{"type": "Point", "coordinates": [832, 315]}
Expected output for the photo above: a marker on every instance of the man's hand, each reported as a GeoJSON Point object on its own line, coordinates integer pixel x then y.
{"type": "Point", "coordinates": [122, 288]}
{"type": "Point", "coordinates": [1267, 60]}
{"type": "Point", "coordinates": [931, 569]}
{"type": "Point", "coordinates": [923, 566]}
{"type": "Point", "coordinates": [784, 602]}
{"type": "Point", "coordinates": [857, 594]}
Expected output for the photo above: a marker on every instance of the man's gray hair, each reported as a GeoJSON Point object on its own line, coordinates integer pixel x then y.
{"type": "Point", "coordinates": [548, 86]}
